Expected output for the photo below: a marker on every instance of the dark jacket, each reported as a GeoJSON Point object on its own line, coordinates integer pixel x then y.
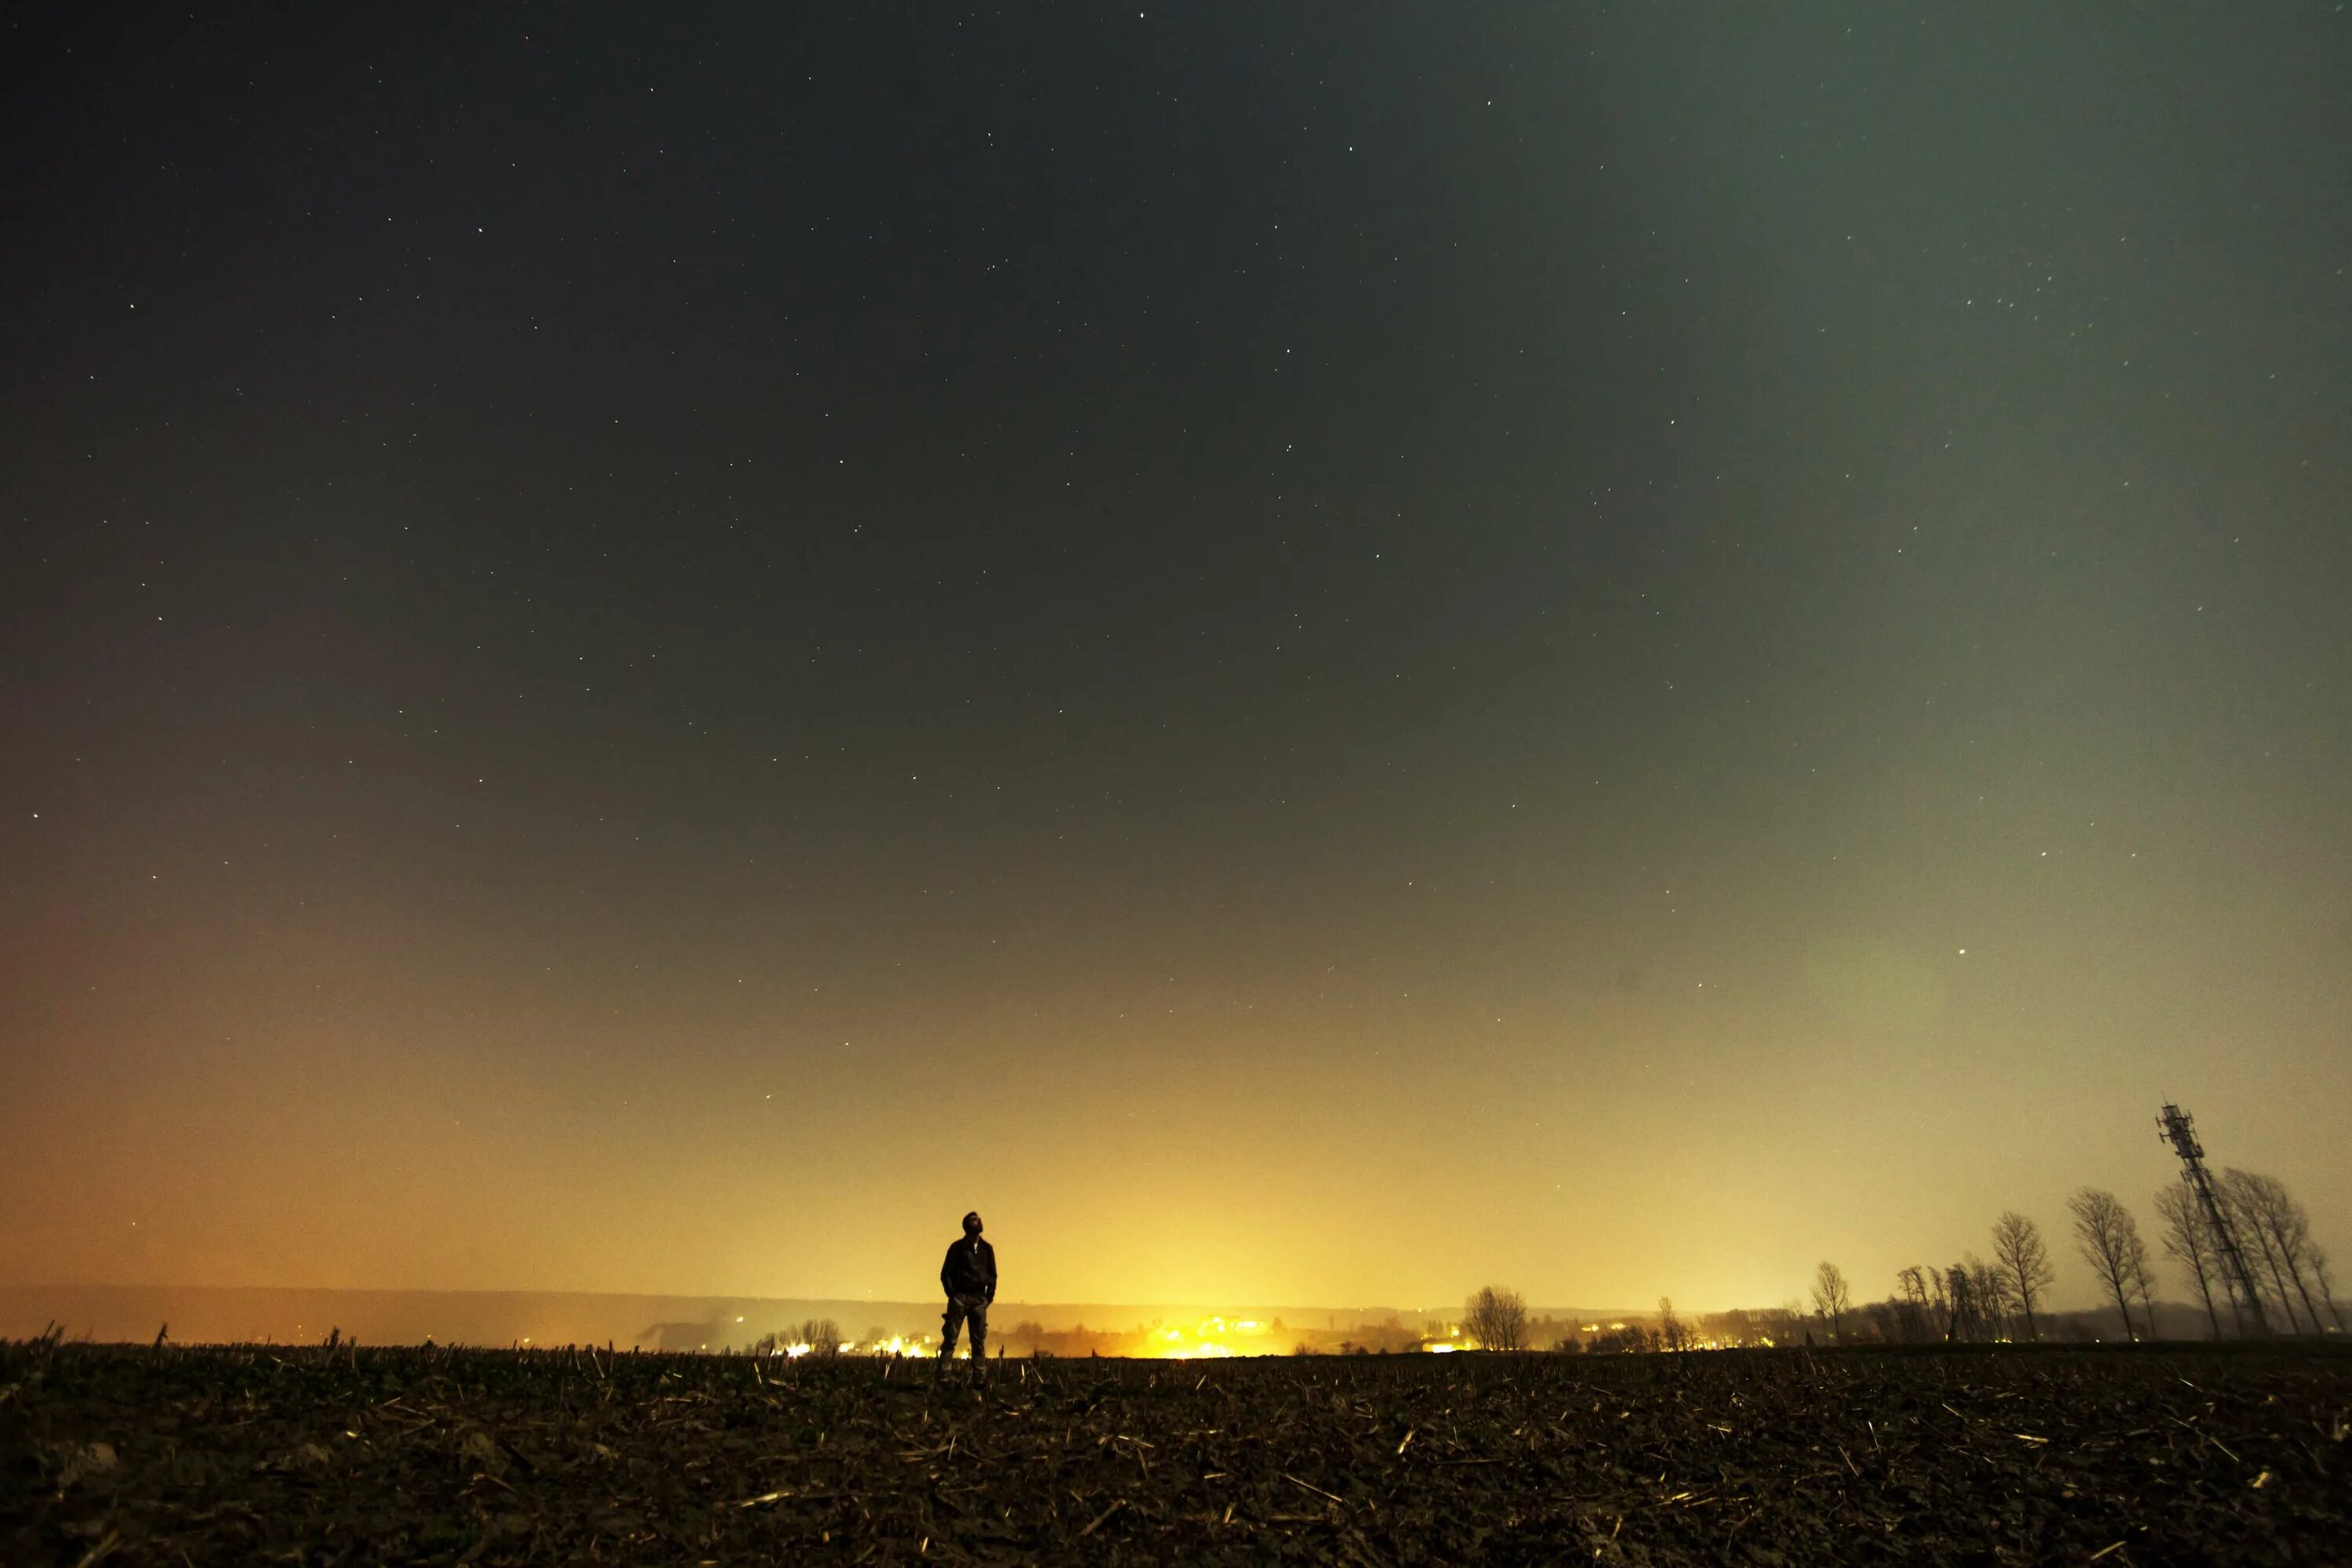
{"type": "Point", "coordinates": [971, 1269]}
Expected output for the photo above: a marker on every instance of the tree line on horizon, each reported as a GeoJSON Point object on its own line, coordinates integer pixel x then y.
{"type": "Point", "coordinates": [1974, 1299]}
{"type": "Point", "coordinates": [2006, 1299]}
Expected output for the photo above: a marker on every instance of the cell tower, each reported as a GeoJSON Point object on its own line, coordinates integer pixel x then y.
{"type": "Point", "coordinates": [2179, 1131]}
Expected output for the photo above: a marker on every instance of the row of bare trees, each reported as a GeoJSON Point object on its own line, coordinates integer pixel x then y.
{"type": "Point", "coordinates": [2288, 1270]}
{"type": "Point", "coordinates": [821, 1335]}
{"type": "Point", "coordinates": [2005, 1298]}
{"type": "Point", "coordinates": [1964, 1300]}
{"type": "Point", "coordinates": [2286, 1265]}
{"type": "Point", "coordinates": [1973, 1300]}
{"type": "Point", "coordinates": [1970, 1300]}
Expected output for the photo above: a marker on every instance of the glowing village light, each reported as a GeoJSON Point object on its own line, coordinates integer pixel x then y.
{"type": "Point", "coordinates": [1202, 1352]}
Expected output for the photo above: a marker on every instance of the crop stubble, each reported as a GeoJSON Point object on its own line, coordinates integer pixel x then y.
{"type": "Point", "coordinates": [234, 1454]}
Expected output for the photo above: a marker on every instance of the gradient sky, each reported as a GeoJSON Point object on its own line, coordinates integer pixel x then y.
{"type": "Point", "coordinates": [1315, 653]}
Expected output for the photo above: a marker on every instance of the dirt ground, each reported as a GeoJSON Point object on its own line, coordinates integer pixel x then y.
{"type": "Point", "coordinates": [342, 1455]}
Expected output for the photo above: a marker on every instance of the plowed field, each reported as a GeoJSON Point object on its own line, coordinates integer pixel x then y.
{"type": "Point", "coordinates": [236, 1456]}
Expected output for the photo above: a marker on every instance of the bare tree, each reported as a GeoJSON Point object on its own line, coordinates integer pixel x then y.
{"type": "Point", "coordinates": [2261, 1267]}
{"type": "Point", "coordinates": [1966, 1315]}
{"type": "Point", "coordinates": [1671, 1335]}
{"type": "Point", "coordinates": [2188, 1239]}
{"type": "Point", "coordinates": [2024, 1263]}
{"type": "Point", "coordinates": [2321, 1277]}
{"type": "Point", "coordinates": [2293, 1228]}
{"type": "Point", "coordinates": [1831, 1296]}
{"type": "Point", "coordinates": [1943, 1313]}
{"type": "Point", "coordinates": [2143, 1284]}
{"type": "Point", "coordinates": [821, 1335]}
{"type": "Point", "coordinates": [1912, 1305]}
{"type": "Point", "coordinates": [1989, 1286]}
{"type": "Point", "coordinates": [2109, 1240]}
{"type": "Point", "coordinates": [2284, 1228]}
{"type": "Point", "coordinates": [1497, 1319]}
{"type": "Point", "coordinates": [2241, 1194]}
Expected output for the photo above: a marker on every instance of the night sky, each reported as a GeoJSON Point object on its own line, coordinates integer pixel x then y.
{"type": "Point", "coordinates": [1313, 653]}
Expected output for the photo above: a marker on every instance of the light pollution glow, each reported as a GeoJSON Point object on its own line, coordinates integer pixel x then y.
{"type": "Point", "coordinates": [1609, 652]}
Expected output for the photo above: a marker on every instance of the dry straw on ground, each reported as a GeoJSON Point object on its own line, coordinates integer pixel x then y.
{"type": "Point", "coordinates": [311, 1456]}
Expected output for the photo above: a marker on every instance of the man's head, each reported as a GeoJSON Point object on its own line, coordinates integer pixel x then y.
{"type": "Point", "coordinates": [971, 1222]}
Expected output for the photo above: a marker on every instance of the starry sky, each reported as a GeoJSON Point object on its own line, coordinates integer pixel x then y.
{"type": "Point", "coordinates": [1313, 653]}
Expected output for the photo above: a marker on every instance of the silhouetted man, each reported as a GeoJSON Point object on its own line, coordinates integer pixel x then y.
{"type": "Point", "coordinates": [969, 1277]}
